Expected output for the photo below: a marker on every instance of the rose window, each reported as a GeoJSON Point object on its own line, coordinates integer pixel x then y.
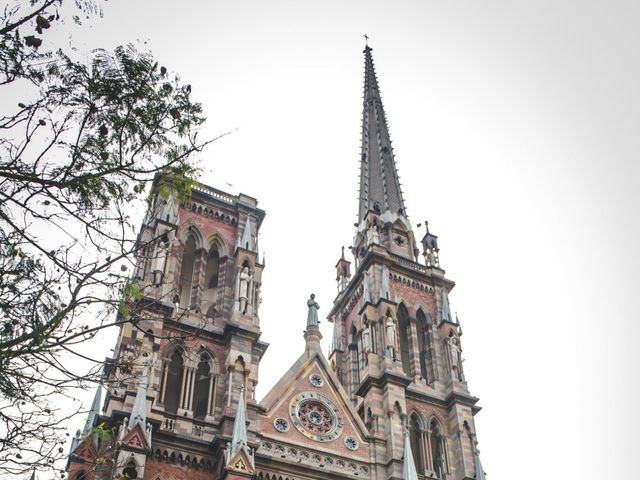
{"type": "Point", "coordinates": [315, 417]}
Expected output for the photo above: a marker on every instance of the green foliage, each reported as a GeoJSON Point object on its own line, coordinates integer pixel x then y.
{"type": "Point", "coordinates": [79, 149]}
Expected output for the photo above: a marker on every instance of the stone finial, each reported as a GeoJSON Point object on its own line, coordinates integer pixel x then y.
{"type": "Point", "coordinates": [480, 475]}
{"type": "Point", "coordinates": [139, 410]}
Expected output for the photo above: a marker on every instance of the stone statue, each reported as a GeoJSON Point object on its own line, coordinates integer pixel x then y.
{"type": "Point", "coordinates": [366, 339]}
{"type": "Point", "coordinates": [312, 315]}
{"type": "Point", "coordinates": [372, 234]}
{"type": "Point", "coordinates": [390, 328]}
{"type": "Point", "coordinates": [454, 357]}
{"type": "Point", "coordinates": [157, 266]}
{"type": "Point", "coordinates": [245, 277]}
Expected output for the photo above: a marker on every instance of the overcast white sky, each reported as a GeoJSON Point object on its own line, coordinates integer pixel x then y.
{"type": "Point", "coordinates": [515, 126]}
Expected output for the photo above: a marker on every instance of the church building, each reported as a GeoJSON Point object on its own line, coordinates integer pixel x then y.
{"type": "Point", "coordinates": [390, 402]}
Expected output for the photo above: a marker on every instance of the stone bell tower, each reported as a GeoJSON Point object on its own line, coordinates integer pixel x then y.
{"type": "Point", "coordinates": [190, 352]}
{"type": "Point", "coordinates": [396, 347]}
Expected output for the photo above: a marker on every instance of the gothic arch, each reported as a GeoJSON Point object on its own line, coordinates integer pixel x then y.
{"type": "Point", "coordinates": [354, 357]}
{"type": "Point", "coordinates": [131, 468]}
{"type": "Point", "coordinates": [247, 262]}
{"type": "Point", "coordinates": [205, 384]}
{"type": "Point", "coordinates": [190, 229]}
{"type": "Point", "coordinates": [170, 347]}
{"type": "Point", "coordinates": [438, 447]}
{"type": "Point", "coordinates": [417, 441]}
{"type": "Point", "coordinates": [426, 354]}
{"type": "Point", "coordinates": [404, 334]}
{"type": "Point", "coordinates": [172, 372]}
{"type": "Point", "coordinates": [187, 270]}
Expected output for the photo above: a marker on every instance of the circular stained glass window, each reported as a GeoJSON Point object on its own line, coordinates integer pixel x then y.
{"type": "Point", "coordinates": [316, 380]}
{"type": "Point", "coordinates": [351, 443]}
{"type": "Point", "coordinates": [315, 416]}
{"type": "Point", "coordinates": [281, 425]}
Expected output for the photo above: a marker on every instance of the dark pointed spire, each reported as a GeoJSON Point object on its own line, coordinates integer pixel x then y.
{"type": "Point", "coordinates": [379, 183]}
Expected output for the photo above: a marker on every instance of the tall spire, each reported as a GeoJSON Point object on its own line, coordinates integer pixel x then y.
{"type": "Point", "coordinates": [379, 183]}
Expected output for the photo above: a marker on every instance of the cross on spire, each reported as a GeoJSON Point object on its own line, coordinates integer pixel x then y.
{"type": "Point", "coordinates": [366, 40]}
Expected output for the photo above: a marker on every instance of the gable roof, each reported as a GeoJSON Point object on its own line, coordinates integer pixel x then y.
{"type": "Point", "coordinates": [296, 379]}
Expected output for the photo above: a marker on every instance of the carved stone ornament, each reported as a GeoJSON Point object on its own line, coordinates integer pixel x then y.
{"type": "Point", "coordinates": [315, 416]}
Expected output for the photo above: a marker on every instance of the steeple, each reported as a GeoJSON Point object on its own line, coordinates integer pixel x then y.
{"type": "Point", "coordinates": [379, 183]}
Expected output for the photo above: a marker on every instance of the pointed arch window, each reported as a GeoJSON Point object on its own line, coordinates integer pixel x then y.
{"type": "Point", "coordinates": [354, 355]}
{"type": "Point", "coordinates": [130, 471]}
{"type": "Point", "coordinates": [425, 346]}
{"type": "Point", "coordinates": [205, 387]}
{"type": "Point", "coordinates": [404, 333]}
{"type": "Point", "coordinates": [438, 450]}
{"type": "Point", "coordinates": [213, 267]}
{"type": "Point", "coordinates": [172, 382]}
{"type": "Point", "coordinates": [186, 272]}
{"type": "Point", "coordinates": [416, 438]}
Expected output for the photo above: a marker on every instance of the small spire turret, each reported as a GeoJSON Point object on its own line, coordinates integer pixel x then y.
{"type": "Point", "coordinates": [409, 471]}
{"type": "Point", "coordinates": [239, 437]}
{"type": "Point", "coordinates": [480, 475]}
{"type": "Point", "coordinates": [139, 410]}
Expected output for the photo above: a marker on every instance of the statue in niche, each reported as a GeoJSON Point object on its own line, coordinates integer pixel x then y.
{"type": "Point", "coordinates": [390, 329]}
{"type": "Point", "coordinates": [455, 357]}
{"type": "Point", "coordinates": [159, 260]}
{"type": "Point", "coordinates": [372, 234]}
{"type": "Point", "coordinates": [243, 296]}
{"type": "Point", "coordinates": [366, 338]}
{"type": "Point", "coordinates": [312, 315]}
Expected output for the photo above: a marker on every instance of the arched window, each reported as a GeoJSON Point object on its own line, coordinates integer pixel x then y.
{"type": "Point", "coordinates": [403, 331]}
{"type": "Point", "coordinates": [213, 268]}
{"type": "Point", "coordinates": [186, 272]}
{"type": "Point", "coordinates": [204, 388]}
{"type": "Point", "coordinates": [354, 354]}
{"type": "Point", "coordinates": [417, 445]}
{"type": "Point", "coordinates": [438, 455]}
{"type": "Point", "coordinates": [425, 346]}
{"type": "Point", "coordinates": [374, 336]}
{"type": "Point", "coordinates": [173, 382]}
{"type": "Point", "coordinates": [130, 472]}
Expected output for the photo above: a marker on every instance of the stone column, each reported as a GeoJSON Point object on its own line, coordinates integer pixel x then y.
{"type": "Point", "coordinates": [185, 372]}
{"type": "Point", "coordinates": [192, 382]}
{"type": "Point", "coordinates": [163, 381]}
